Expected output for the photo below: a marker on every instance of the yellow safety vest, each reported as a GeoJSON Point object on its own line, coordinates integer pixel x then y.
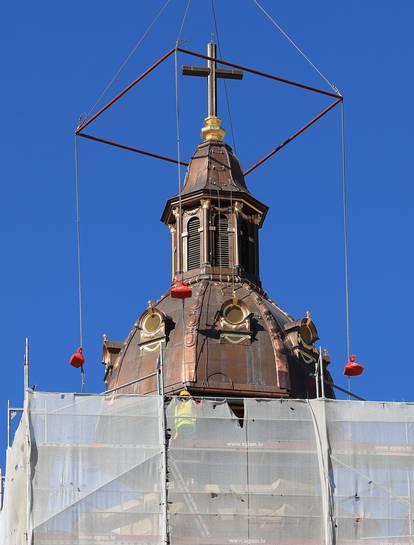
{"type": "Point", "coordinates": [184, 414]}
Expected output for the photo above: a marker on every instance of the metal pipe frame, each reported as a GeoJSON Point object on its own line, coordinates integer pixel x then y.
{"type": "Point", "coordinates": [129, 148]}
{"type": "Point", "coordinates": [259, 73]}
{"type": "Point", "coordinates": [79, 130]}
{"type": "Point", "coordinates": [124, 91]}
{"type": "Point", "coordinates": [339, 98]}
{"type": "Point", "coordinates": [130, 383]}
{"type": "Point", "coordinates": [292, 137]}
{"type": "Point", "coordinates": [321, 373]}
{"type": "Point", "coordinates": [164, 442]}
{"type": "Point", "coordinates": [11, 410]}
{"type": "Point", "coordinates": [359, 398]}
{"type": "Point", "coordinates": [26, 367]}
{"type": "Point", "coordinates": [317, 379]}
{"type": "Point", "coordinates": [2, 479]}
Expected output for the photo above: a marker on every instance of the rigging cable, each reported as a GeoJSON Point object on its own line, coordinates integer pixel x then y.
{"type": "Point", "coordinates": [345, 220]}
{"type": "Point", "coordinates": [179, 243]}
{"type": "Point", "coordinates": [224, 81]}
{"type": "Point", "coordinates": [292, 42]}
{"type": "Point", "coordinates": [226, 93]}
{"type": "Point", "coordinates": [183, 21]}
{"type": "Point", "coordinates": [128, 57]}
{"type": "Point", "coordinates": [177, 126]}
{"type": "Point", "coordinates": [218, 233]}
{"type": "Point", "coordinates": [178, 137]}
{"type": "Point", "coordinates": [344, 184]}
{"type": "Point", "coordinates": [78, 255]}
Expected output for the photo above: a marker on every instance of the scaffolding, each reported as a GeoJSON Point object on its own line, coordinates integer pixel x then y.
{"type": "Point", "coordinates": [88, 469]}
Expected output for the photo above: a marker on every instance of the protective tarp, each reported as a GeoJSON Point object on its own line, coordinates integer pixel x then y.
{"type": "Point", "coordinates": [252, 479]}
{"type": "Point", "coordinates": [96, 469]}
{"type": "Point", "coordinates": [372, 465]}
{"type": "Point", "coordinates": [15, 512]}
{"type": "Point", "coordinates": [291, 472]}
{"type": "Point", "coordinates": [261, 472]}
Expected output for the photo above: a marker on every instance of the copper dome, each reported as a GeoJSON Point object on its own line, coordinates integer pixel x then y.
{"type": "Point", "coordinates": [229, 338]}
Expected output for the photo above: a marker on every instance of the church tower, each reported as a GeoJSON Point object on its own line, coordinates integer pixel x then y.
{"type": "Point", "coordinates": [229, 338]}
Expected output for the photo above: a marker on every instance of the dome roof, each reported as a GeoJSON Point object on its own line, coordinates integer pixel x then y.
{"type": "Point", "coordinates": [220, 342]}
{"type": "Point", "coordinates": [215, 172]}
{"type": "Point", "coordinates": [214, 166]}
{"type": "Point", "coordinates": [229, 338]}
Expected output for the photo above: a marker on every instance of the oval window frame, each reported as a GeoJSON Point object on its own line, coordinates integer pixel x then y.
{"type": "Point", "coordinates": [149, 316]}
{"type": "Point", "coordinates": [228, 309]}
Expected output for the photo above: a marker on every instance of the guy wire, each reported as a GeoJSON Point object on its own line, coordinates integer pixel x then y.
{"type": "Point", "coordinates": [78, 255]}
{"type": "Point", "coordinates": [128, 57]}
{"type": "Point", "coordinates": [177, 123]}
{"type": "Point", "coordinates": [78, 248]}
{"type": "Point", "coordinates": [183, 21]}
{"type": "Point", "coordinates": [292, 42]}
{"type": "Point", "coordinates": [233, 215]}
{"type": "Point", "coordinates": [345, 220]}
{"type": "Point", "coordinates": [218, 235]}
{"type": "Point", "coordinates": [226, 93]}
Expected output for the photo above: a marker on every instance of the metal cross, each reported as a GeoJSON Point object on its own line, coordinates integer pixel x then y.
{"type": "Point", "coordinates": [212, 73]}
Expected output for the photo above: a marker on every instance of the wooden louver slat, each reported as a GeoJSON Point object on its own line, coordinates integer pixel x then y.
{"type": "Point", "coordinates": [221, 242]}
{"type": "Point", "coordinates": [193, 244]}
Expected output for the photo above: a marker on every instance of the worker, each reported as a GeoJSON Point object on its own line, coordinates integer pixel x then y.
{"type": "Point", "coordinates": [185, 419]}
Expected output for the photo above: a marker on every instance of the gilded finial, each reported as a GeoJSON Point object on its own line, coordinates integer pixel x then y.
{"type": "Point", "coordinates": [212, 129]}
{"type": "Point", "coordinates": [308, 314]}
{"type": "Point", "coordinates": [235, 300]}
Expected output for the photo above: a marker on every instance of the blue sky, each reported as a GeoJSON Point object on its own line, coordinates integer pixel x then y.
{"type": "Point", "coordinates": [57, 59]}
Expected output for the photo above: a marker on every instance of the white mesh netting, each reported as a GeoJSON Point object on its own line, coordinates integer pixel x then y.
{"type": "Point", "coordinates": [280, 472]}
{"type": "Point", "coordinates": [96, 469]}
{"type": "Point", "coordinates": [13, 517]}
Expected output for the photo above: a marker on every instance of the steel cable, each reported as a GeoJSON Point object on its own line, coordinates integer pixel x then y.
{"type": "Point", "coordinates": [183, 21]}
{"type": "Point", "coordinates": [128, 57]}
{"type": "Point", "coordinates": [344, 184]}
{"type": "Point", "coordinates": [345, 222]}
{"type": "Point", "coordinates": [78, 256]}
{"type": "Point", "coordinates": [292, 42]}
{"type": "Point", "coordinates": [178, 135]}
{"type": "Point", "coordinates": [226, 93]}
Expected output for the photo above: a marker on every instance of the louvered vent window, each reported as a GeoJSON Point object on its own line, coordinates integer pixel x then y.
{"type": "Point", "coordinates": [193, 244]}
{"type": "Point", "coordinates": [247, 246]}
{"type": "Point", "coordinates": [244, 244]}
{"type": "Point", "coordinates": [221, 241]}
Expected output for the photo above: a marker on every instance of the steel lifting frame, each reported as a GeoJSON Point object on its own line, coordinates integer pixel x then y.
{"type": "Point", "coordinates": [80, 129]}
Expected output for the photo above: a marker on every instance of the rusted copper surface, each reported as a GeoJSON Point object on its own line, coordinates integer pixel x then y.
{"type": "Point", "coordinates": [198, 356]}
{"type": "Point", "coordinates": [214, 166]}
{"type": "Point", "coordinates": [214, 172]}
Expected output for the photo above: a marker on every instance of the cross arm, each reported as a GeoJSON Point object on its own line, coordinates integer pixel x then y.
{"type": "Point", "coordinates": [204, 72]}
